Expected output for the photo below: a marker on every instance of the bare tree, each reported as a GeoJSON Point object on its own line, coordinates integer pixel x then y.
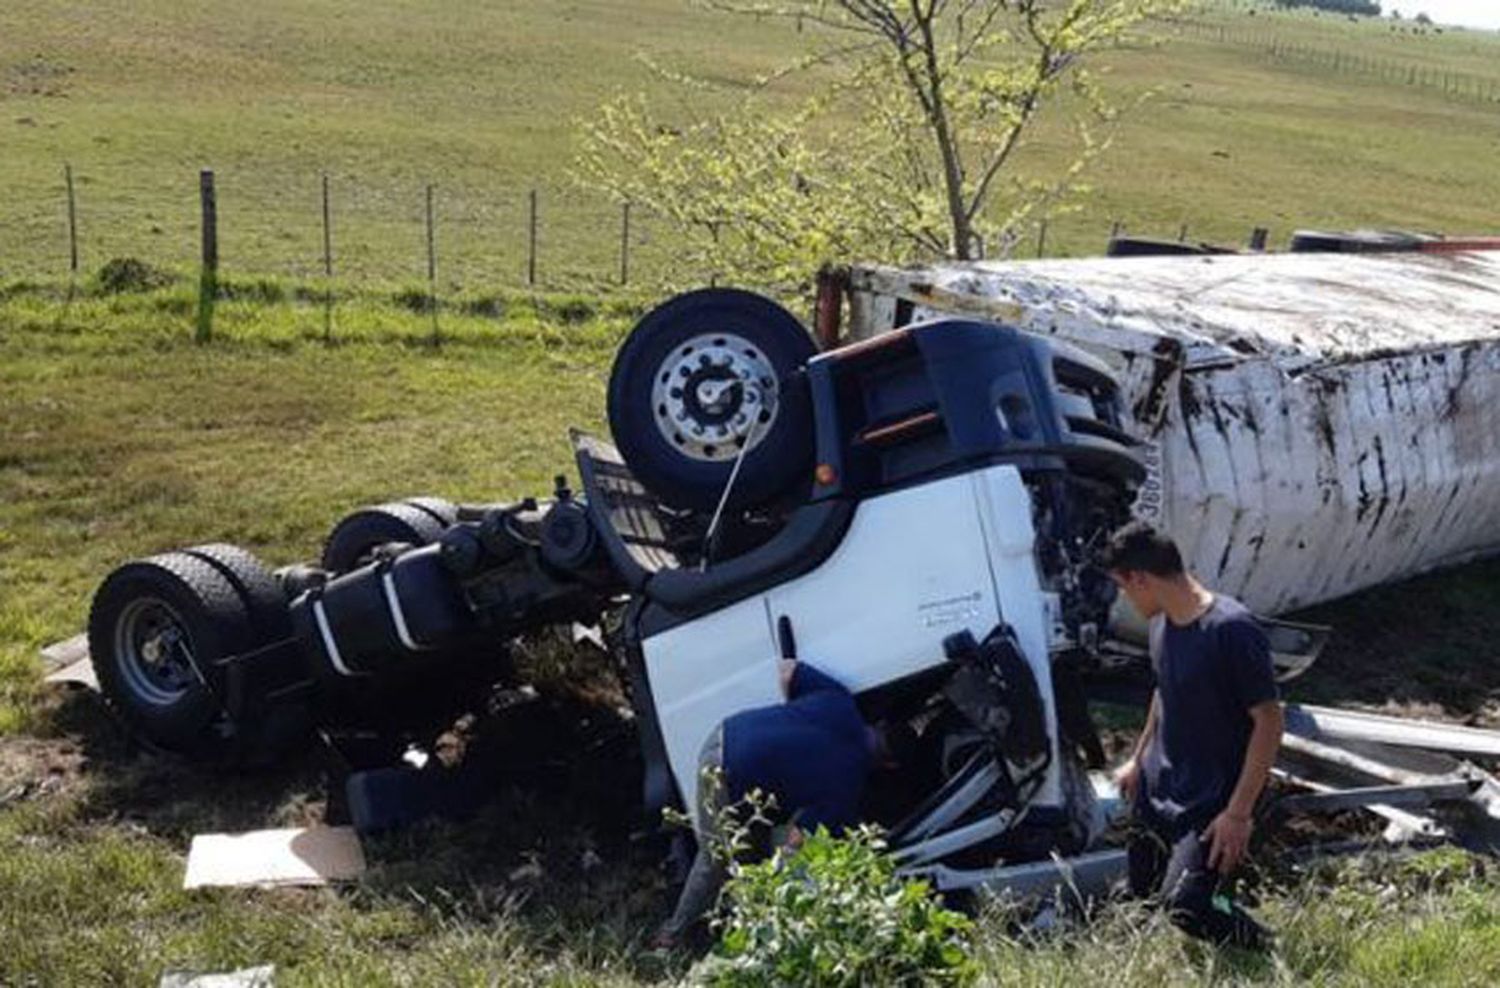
{"type": "Point", "coordinates": [910, 147]}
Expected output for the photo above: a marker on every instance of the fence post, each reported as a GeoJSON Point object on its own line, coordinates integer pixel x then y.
{"type": "Point", "coordinates": [432, 302]}
{"type": "Point", "coordinates": [531, 243]}
{"type": "Point", "coordinates": [1041, 238]}
{"type": "Point", "coordinates": [209, 201]}
{"type": "Point", "coordinates": [327, 231]}
{"type": "Point", "coordinates": [208, 280]}
{"type": "Point", "coordinates": [327, 263]}
{"type": "Point", "coordinates": [1182, 234]}
{"type": "Point", "coordinates": [72, 221]}
{"type": "Point", "coordinates": [1258, 238]}
{"type": "Point", "coordinates": [625, 240]}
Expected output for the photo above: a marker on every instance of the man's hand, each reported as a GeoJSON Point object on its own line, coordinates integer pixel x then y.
{"type": "Point", "coordinates": [1128, 778]}
{"type": "Point", "coordinates": [1228, 837]}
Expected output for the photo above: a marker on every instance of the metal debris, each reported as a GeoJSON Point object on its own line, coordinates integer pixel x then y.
{"type": "Point", "coordinates": [266, 858]}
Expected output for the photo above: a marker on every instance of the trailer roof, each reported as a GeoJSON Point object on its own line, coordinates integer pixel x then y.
{"type": "Point", "coordinates": [1298, 309]}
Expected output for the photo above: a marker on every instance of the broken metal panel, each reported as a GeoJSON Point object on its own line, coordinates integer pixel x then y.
{"type": "Point", "coordinates": [1326, 723]}
{"type": "Point", "coordinates": [1316, 424]}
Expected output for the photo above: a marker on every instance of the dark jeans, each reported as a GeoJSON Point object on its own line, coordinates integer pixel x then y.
{"type": "Point", "coordinates": [1170, 864]}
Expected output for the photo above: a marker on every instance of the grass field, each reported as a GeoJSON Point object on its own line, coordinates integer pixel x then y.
{"type": "Point", "coordinates": [120, 437]}
{"type": "Point", "coordinates": [123, 438]}
{"type": "Point", "coordinates": [481, 98]}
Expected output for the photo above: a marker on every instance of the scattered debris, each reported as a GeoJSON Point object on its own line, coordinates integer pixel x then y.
{"type": "Point", "coordinates": [263, 976]}
{"type": "Point", "coordinates": [80, 673]}
{"type": "Point", "coordinates": [67, 652]}
{"type": "Point", "coordinates": [265, 858]}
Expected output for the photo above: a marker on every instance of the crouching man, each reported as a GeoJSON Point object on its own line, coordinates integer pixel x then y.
{"type": "Point", "coordinates": [1211, 735]}
{"type": "Point", "coordinates": [812, 753]}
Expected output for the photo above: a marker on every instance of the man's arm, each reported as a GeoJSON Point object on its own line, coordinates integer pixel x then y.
{"type": "Point", "coordinates": [1229, 833]}
{"type": "Point", "coordinates": [1260, 755]}
{"type": "Point", "coordinates": [1128, 776]}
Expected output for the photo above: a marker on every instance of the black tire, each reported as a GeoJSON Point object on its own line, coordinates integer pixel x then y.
{"type": "Point", "coordinates": [442, 511]}
{"type": "Point", "coordinates": [154, 687]}
{"type": "Point", "coordinates": [266, 731]}
{"type": "Point", "coordinates": [353, 539]}
{"type": "Point", "coordinates": [256, 585]}
{"type": "Point", "coordinates": [757, 341]}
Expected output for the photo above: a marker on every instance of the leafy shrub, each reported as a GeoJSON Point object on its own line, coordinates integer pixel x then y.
{"type": "Point", "coordinates": [418, 300]}
{"type": "Point", "coordinates": [131, 274]}
{"type": "Point", "coordinates": [262, 290]}
{"type": "Point", "coordinates": [569, 309]}
{"type": "Point", "coordinates": [835, 913]}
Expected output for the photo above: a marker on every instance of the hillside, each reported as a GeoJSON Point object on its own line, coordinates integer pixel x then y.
{"type": "Point", "coordinates": [480, 99]}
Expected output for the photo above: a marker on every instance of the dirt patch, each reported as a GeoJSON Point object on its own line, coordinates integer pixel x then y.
{"type": "Point", "coordinates": [33, 767]}
{"type": "Point", "coordinates": [1428, 647]}
{"type": "Point", "coordinates": [37, 77]}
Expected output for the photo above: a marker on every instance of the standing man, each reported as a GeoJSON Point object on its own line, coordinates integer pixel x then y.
{"type": "Point", "coordinates": [812, 753]}
{"type": "Point", "coordinates": [1211, 736]}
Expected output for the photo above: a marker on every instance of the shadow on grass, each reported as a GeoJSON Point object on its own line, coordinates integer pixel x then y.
{"type": "Point", "coordinates": [1430, 646]}
{"type": "Point", "coordinates": [560, 851]}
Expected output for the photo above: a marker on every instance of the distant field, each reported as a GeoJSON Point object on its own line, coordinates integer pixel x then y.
{"type": "Point", "coordinates": [480, 98]}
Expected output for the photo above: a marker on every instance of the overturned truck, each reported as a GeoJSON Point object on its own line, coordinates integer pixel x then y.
{"type": "Point", "coordinates": [915, 511]}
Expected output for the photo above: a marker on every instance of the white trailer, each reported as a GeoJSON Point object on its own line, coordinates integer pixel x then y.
{"type": "Point", "coordinates": [1316, 423]}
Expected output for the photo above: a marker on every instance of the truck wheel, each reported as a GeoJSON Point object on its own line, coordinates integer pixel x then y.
{"type": "Point", "coordinates": [256, 585]}
{"type": "Point", "coordinates": [268, 731]}
{"type": "Point", "coordinates": [157, 628]}
{"type": "Point", "coordinates": [702, 377]}
{"type": "Point", "coordinates": [358, 535]}
{"type": "Point", "coordinates": [443, 511]}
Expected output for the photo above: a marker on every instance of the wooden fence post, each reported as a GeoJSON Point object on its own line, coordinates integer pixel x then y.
{"type": "Point", "coordinates": [208, 280]}
{"type": "Point", "coordinates": [327, 263]}
{"type": "Point", "coordinates": [625, 240]}
{"type": "Point", "coordinates": [327, 231]}
{"type": "Point", "coordinates": [1041, 238]}
{"type": "Point", "coordinates": [72, 221]}
{"type": "Point", "coordinates": [209, 202]}
{"type": "Point", "coordinates": [432, 301]}
{"type": "Point", "coordinates": [531, 243]}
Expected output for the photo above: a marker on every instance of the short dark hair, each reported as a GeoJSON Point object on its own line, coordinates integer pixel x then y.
{"type": "Point", "coordinates": [1140, 548]}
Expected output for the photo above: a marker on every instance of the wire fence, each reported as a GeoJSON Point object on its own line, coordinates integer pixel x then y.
{"type": "Point", "coordinates": [1271, 45]}
{"type": "Point", "coordinates": [454, 236]}
{"type": "Point", "coordinates": [435, 238]}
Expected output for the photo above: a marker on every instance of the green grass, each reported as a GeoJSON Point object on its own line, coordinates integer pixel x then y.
{"type": "Point", "coordinates": [123, 438]}
{"type": "Point", "coordinates": [120, 437]}
{"type": "Point", "coordinates": [480, 98]}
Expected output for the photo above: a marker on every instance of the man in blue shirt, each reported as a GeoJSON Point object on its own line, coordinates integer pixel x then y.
{"type": "Point", "coordinates": [1211, 736]}
{"type": "Point", "coordinates": [812, 753]}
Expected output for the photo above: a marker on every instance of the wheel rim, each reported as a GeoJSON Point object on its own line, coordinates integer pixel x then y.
{"type": "Point", "coordinates": [714, 395]}
{"type": "Point", "coordinates": [154, 652]}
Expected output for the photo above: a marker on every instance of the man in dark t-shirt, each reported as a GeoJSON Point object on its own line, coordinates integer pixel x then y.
{"type": "Point", "coordinates": [1211, 735]}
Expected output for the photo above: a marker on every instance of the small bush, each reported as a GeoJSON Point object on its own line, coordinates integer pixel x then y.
{"type": "Point", "coordinates": [835, 913]}
{"type": "Point", "coordinates": [486, 306]}
{"type": "Point", "coordinates": [570, 309]}
{"type": "Point", "coordinates": [416, 299]}
{"type": "Point", "coordinates": [262, 290]}
{"type": "Point", "coordinates": [130, 274]}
